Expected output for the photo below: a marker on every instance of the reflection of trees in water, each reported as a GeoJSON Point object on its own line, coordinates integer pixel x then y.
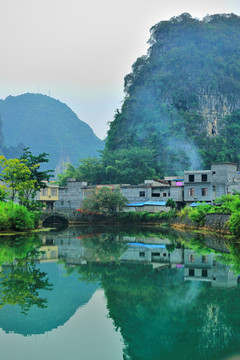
{"type": "Point", "coordinates": [158, 313]}
{"type": "Point", "coordinates": [104, 247]}
{"type": "Point", "coordinates": [20, 279]}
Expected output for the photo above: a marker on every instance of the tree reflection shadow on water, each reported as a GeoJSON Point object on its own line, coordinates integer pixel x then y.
{"type": "Point", "coordinates": [20, 279]}
{"type": "Point", "coordinates": [162, 311]}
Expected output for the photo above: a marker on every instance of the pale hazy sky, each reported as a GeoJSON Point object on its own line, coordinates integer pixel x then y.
{"type": "Point", "coordinates": [80, 50]}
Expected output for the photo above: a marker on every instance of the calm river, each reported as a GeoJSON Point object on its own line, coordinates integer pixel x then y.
{"type": "Point", "coordinates": [113, 293]}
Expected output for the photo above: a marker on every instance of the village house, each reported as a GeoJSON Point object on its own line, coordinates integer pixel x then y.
{"type": "Point", "coordinates": [208, 185]}
{"type": "Point", "coordinates": [71, 195]}
{"type": "Point", "coordinates": [153, 194]}
{"type": "Point", "coordinates": [48, 196]}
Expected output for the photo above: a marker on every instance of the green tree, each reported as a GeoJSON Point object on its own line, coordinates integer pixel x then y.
{"type": "Point", "coordinates": [89, 169]}
{"type": "Point", "coordinates": [171, 203]}
{"type": "Point", "coordinates": [4, 193]}
{"type": "Point", "coordinates": [130, 166]}
{"type": "Point", "coordinates": [34, 163]}
{"type": "Point", "coordinates": [105, 201]}
{"type": "Point", "coordinates": [17, 176]}
{"type": "Point", "coordinates": [38, 176]}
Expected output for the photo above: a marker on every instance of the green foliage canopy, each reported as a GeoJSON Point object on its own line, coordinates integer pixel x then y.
{"type": "Point", "coordinates": [105, 201]}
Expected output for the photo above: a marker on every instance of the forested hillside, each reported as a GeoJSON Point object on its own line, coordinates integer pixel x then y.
{"type": "Point", "coordinates": [46, 125]}
{"type": "Point", "coordinates": [183, 98]}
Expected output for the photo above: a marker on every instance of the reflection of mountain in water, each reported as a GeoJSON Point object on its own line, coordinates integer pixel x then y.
{"type": "Point", "coordinates": [162, 316]}
{"type": "Point", "coordinates": [67, 296]}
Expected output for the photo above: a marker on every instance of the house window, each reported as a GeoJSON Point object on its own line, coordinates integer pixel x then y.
{"type": "Point", "coordinates": [204, 191]}
{"type": "Point", "coordinates": [213, 187]}
{"type": "Point", "coordinates": [164, 254]}
{"type": "Point", "coordinates": [142, 193]}
{"type": "Point", "coordinates": [168, 194]}
{"type": "Point", "coordinates": [164, 194]}
{"type": "Point", "coordinates": [214, 262]}
{"type": "Point", "coordinates": [204, 259]}
{"type": "Point", "coordinates": [191, 272]}
{"type": "Point", "coordinates": [204, 177]}
{"type": "Point", "coordinates": [142, 254]}
{"type": "Point", "coordinates": [191, 258]}
{"type": "Point", "coordinates": [62, 202]}
{"type": "Point", "coordinates": [155, 194]}
{"type": "Point", "coordinates": [204, 273]}
{"type": "Point", "coordinates": [191, 178]}
{"type": "Point", "coordinates": [44, 192]}
{"type": "Point", "coordinates": [191, 192]}
{"type": "Point", "coordinates": [54, 192]}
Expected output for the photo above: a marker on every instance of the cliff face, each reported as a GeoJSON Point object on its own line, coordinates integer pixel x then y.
{"type": "Point", "coordinates": [213, 108]}
{"type": "Point", "coordinates": [182, 98]}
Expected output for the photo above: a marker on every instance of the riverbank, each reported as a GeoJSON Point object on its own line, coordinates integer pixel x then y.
{"type": "Point", "coordinates": [213, 222]}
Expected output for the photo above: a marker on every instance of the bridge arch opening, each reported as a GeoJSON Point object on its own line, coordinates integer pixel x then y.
{"type": "Point", "coordinates": [55, 221]}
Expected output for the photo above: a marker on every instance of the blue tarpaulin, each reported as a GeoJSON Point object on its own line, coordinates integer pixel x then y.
{"type": "Point", "coordinates": [152, 203]}
{"type": "Point", "coordinates": [152, 246]}
{"type": "Point", "coordinates": [194, 204]}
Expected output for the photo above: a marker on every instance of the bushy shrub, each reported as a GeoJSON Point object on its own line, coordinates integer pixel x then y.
{"type": "Point", "coordinates": [234, 224]}
{"type": "Point", "coordinates": [198, 214]}
{"type": "Point", "coordinates": [16, 217]}
{"type": "Point", "coordinates": [183, 213]}
{"type": "Point", "coordinates": [23, 219]}
{"type": "Point", "coordinates": [37, 216]}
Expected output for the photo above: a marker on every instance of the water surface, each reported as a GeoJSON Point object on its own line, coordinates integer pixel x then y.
{"type": "Point", "coordinates": [111, 293]}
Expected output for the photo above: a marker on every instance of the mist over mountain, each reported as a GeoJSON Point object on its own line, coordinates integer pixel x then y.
{"type": "Point", "coordinates": [183, 97]}
{"type": "Point", "coordinates": [46, 125]}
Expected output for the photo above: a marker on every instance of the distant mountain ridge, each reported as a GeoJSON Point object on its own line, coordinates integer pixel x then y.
{"type": "Point", "coordinates": [47, 125]}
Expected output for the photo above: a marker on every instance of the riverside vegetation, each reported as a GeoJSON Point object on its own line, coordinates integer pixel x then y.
{"type": "Point", "coordinates": [23, 179]}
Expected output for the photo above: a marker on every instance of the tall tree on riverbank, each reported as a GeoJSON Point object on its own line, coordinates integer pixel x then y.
{"type": "Point", "coordinates": [33, 163]}
{"type": "Point", "coordinates": [105, 201]}
{"type": "Point", "coordinates": [17, 176]}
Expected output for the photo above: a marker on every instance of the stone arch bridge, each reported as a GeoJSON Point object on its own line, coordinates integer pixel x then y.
{"type": "Point", "coordinates": [62, 217]}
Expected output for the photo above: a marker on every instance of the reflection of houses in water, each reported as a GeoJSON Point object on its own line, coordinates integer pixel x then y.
{"type": "Point", "coordinates": [49, 253]}
{"type": "Point", "coordinates": [71, 250]}
{"type": "Point", "coordinates": [206, 268]}
{"type": "Point", "coordinates": [160, 253]}
{"type": "Point", "coordinates": [154, 253]}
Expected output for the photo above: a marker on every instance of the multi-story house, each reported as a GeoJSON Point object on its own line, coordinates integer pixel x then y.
{"type": "Point", "coordinates": [48, 196]}
{"type": "Point", "coordinates": [71, 196]}
{"type": "Point", "coordinates": [75, 192]}
{"type": "Point", "coordinates": [153, 194]}
{"type": "Point", "coordinates": [208, 185]}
